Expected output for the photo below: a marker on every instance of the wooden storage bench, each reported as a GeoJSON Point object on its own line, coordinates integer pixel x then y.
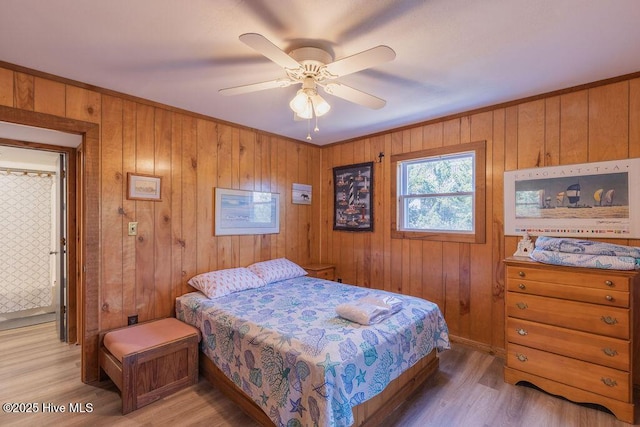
{"type": "Point", "coordinates": [150, 360]}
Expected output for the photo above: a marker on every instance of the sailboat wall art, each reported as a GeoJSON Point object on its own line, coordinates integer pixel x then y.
{"type": "Point", "coordinates": [353, 195]}
{"type": "Point", "coordinates": [596, 200]}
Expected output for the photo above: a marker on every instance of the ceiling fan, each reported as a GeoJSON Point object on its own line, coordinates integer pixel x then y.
{"type": "Point", "coordinates": [313, 67]}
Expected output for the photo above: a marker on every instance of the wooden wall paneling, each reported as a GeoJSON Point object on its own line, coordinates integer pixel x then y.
{"type": "Point", "coordinates": [263, 171]}
{"type": "Point", "coordinates": [145, 261]}
{"type": "Point", "coordinates": [112, 228]}
{"type": "Point", "coordinates": [282, 162]}
{"type": "Point", "coordinates": [511, 161]}
{"type": "Point", "coordinates": [364, 275]}
{"type": "Point", "coordinates": [303, 232]}
{"type": "Point", "coordinates": [531, 132]}
{"type": "Point", "coordinates": [347, 243]}
{"type": "Point", "coordinates": [128, 212]}
{"type": "Point", "coordinates": [314, 211]}
{"type": "Point", "coordinates": [6, 87]}
{"type": "Point", "coordinates": [235, 184]}
{"type": "Point", "coordinates": [24, 91]}
{"type": "Point", "coordinates": [482, 265]}
{"type": "Point", "coordinates": [609, 122]}
{"type": "Point", "coordinates": [274, 186]}
{"type": "Point", "coordinates": [634, 118]}
{"type": "Point", "coordinates": [189, 183]}
{"type": "Point", "coordinates": [574, 127]}
{"type": "Point", "coordinates": [395, 271]}
{"type": "Point", "coordinates": [224, 151]}
{"type": "Point", "coordinates": [381, 211]}
{"type": "Point", "coordinates": [83, 104]}
{"type": "Point", "coordinates": [495, 234]}
{"type": "Point", "coordinates": [433, 136]}
{"type": "Point", "coordinates": [552, 131]}
{"type": "Point", "coordinates": [206, 174]}
{"type": "Point", "coordinates": [413, 284]}
{"type": "Point", "coordinates": [178, 282]}
{"type": "Point", "coordinates": [387, 205]}
{"type": "Point", "coordinates": [357, 239]}
{"type": "Point", "coordinates": [323, 197]}
{"type": "Point", "coordinates": [163, 302]}
{"type": "Point", "coordinates": [49, 97]}
{"type": "Point", "coordinates": [247, 181]}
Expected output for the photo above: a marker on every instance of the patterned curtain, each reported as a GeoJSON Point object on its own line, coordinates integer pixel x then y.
{"type": "Point", "coordinates": [25, 241]}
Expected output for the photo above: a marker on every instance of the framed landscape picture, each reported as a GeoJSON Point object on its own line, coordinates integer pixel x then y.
{"type": "Point", "coordinates": [581, 200]}
{"type": "Point", "coordinates": [239, 212]}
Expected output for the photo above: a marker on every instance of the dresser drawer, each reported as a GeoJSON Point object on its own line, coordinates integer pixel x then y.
{"type": "Point", "coordinates": [604, 280]}
{"type": "Point", "coordinates": [603, 320]}
{"type": "Point", "coordinates": [594, 378]}
{"type": "Point", "coordinates": [608, 297]}
{"type": "Point", "coordinates": [611, 352]}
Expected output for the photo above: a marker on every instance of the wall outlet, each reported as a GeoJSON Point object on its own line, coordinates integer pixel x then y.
{"type": "Point", "coordinates": [132, 320]}
{"type": "Point", "coordinates": [133, 228]}
{"type": "Point", "coordinates": [339, 279]}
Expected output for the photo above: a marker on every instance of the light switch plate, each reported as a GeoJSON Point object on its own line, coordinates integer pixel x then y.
{"type": "Point", "coordinates": [133, 228]}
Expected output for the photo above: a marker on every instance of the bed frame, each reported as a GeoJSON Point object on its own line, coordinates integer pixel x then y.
{"type": "Point", "coordinates": [370, 413]}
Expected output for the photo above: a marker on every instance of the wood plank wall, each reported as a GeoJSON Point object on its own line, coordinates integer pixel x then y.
{"type": "Point", "coordinates": [467, 280]}
{"type": "Point", "coordinates": [193, 154]}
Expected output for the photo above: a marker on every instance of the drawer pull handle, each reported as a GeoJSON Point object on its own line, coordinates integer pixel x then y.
{"type": "Point", "coordinates": [609, 298]}
{"type": "Point", "coordinates": [609, 320]}
{"type": "Point", "coordinates": [608, 282]}
{"type": "Point", "coordinates": [610, 352]}
{"type": "Point", "coordinates": [521, 273]}
{"type": "Point", "coordinates": [609, 382]}
{"type": "Point", "coordinates": [522, 286]}
{"type": "Point", "coordinates": [522, 332]}
{"type": "Point", "coordinates": [521, 357]}
{"type": "Point", "coordinates": [522, 305]}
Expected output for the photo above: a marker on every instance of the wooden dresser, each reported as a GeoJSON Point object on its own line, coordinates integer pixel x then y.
{"type": "Point", "coordinates": [571, 332]}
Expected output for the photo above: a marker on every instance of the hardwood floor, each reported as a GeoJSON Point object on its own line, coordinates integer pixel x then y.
{"type": "Point", "coordinates": [468, 391]}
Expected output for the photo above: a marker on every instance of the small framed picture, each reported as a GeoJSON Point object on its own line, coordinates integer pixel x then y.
{"type": "Point", "coordinates": [144, 187]}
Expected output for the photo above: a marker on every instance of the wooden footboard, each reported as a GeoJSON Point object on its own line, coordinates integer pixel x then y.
{"type": "Point", "coordinates": [370, 413]}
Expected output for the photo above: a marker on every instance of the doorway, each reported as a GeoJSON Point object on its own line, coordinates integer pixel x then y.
{"type": "Point", "coordinates": [33, 229]}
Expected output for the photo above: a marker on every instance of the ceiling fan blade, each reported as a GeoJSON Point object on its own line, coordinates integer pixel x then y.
{"type": "Point", "coordinates": [365, 59]}
{"type": "Point", "coordinates": [272, 84]}
{"type": "Point", "coordinates": [262, 45]}
{"type": "Point", "coordinates": [354, 95]}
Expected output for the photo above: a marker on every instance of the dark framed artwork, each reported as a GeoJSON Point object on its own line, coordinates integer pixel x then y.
{"type": "Point", "coordinates": [353, 197]}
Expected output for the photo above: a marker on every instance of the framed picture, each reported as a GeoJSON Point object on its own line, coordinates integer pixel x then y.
{"type": "Point", "coordinates": [596, 200]}
{"type": "Point", "coordinates": [245, 212]}
{"type": "Point", "coordinates": [353, 200]}
{"type": "Point", "coordinates": [144, 187]}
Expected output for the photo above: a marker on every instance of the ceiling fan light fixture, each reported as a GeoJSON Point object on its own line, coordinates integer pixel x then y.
{"type": "Point", "coordinates": [300, 103]}
{"type": "Point", "coordinates": [320, 106]}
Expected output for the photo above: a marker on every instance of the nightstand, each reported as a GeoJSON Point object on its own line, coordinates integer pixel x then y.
{"type": "Point", "coordinates": [321, 271]}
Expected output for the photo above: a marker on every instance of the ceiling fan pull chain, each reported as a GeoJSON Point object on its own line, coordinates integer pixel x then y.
{"type": "Point", "coordinates": [316, 129]}
{"type": "Point", "coordinates": [309, 129]}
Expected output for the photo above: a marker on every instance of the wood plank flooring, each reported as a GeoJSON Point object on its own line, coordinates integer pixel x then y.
{"type": "Point", "coordinates": [468, 391]}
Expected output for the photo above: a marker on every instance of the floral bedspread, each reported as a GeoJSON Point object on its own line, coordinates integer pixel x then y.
{"type": "Point", "coordinates": [284, 345]}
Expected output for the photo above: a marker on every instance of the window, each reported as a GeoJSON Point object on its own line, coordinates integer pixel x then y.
{"type": "Point", "coordinates": [439, 194]}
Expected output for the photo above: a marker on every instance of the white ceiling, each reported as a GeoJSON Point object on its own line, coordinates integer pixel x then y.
{"type": "Point", "coordinates": [452, 55]}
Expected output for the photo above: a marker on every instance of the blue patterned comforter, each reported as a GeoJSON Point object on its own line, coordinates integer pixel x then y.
{"type": "Point", "coordinates": [286, 348]}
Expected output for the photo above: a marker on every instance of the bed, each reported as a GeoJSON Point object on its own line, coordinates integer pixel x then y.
{"type": "Point", "coordinates": [281, 352]}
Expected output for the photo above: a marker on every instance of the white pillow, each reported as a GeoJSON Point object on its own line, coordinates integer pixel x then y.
{"type": "Point", "coordinates": [277, 269]}
{"type": "Point", "coordinates": [219, 283]}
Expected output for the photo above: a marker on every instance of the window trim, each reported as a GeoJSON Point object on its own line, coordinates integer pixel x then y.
{"type": "Point", "coordinates": [478, 236]}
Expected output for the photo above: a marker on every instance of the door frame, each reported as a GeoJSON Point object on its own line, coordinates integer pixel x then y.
{"type": "Point", "coordinates": [84, 269]}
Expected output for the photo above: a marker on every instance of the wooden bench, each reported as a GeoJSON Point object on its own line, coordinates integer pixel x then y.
{"type": "Point", "coordinates": [150, 360]}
